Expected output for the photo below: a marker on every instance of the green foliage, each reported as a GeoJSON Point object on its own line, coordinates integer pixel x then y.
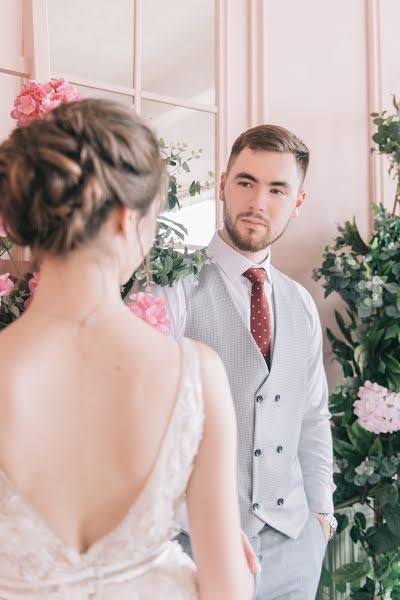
{"type": "Point", "coordinates": [168, 265]}
{"type": "Point", "coordinates": [366, 344]}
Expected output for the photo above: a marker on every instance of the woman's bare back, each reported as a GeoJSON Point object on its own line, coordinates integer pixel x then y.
{"type": "Point", "coordinates": [83, 410]}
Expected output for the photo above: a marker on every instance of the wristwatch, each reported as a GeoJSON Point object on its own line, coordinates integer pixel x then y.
{"type": "Point", "coordinates": [332, 523]}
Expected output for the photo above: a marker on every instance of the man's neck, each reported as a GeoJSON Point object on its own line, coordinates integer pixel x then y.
{"type": "Point", "coordinates": [255, 257]}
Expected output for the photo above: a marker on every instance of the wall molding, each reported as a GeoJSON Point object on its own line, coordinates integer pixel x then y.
{"type": "Point", "coordinates": [257, 55]}
{"type": "Point", "coordinates": [374, 101]}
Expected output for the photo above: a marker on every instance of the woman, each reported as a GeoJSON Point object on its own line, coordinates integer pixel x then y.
{"type": "Point", "coordinates": [105, 424]}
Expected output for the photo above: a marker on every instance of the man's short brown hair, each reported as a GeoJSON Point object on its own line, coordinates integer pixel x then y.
{"type": "Point", "coordinates": [272, 138]}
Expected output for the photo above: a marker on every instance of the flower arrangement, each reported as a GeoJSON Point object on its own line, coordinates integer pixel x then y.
{"type": "Point", "coordinates": [167, 264]}
{"type": "Point", "coordinates": [378, 409]}
{"type": "Point", "coordinates": [151, 310]}
{"type": "Point", "coordinates": [365, 406]}
{"type": "Point", "coordinates": [35, 99]}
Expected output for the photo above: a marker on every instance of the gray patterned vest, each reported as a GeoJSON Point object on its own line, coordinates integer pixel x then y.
{"type": "Point", "coordinates": [269, 404]}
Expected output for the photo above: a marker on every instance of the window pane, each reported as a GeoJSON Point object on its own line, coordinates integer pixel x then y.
{"type": "Point", "coordinates": [179, 49]}
{"type": "Point", "coordinates": [92, 39]}
{"type": "Point", "coordinates": [178, 126]}
{"type": "Point", "coordinates": [94, 93]}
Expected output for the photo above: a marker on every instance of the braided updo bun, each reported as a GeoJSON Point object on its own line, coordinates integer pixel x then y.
{"type": "Point", "coordinates": [61, 176]}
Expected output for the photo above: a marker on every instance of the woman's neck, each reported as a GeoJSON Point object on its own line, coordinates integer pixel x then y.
{"type": "Point", "coordinates": [77, 286]}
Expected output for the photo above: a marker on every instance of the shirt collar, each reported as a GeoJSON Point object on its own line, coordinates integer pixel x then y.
{"type": "Point", "coordinates": [232, 262]}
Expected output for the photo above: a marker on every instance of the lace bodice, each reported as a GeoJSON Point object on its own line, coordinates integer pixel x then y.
{"type": "Point", "coordinates": [137, 559]}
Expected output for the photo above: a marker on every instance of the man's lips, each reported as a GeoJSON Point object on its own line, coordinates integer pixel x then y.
{"type": "Point", "coordinates": [253, 222]}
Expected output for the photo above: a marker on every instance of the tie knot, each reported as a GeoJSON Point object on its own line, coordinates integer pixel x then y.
{"type": "Point", "coordinates": [255, 275]}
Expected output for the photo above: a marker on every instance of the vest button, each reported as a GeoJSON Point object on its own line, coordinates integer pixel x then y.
{"type": "Point", "coordinates": [256, 506]}
{"type": "Point", "coordinates": [280, 501]}
{"type": "Point", "coordinates": [277, 398]}
{"type": "Point", "coordinates": [279, 449]}
{"type": "Point", "coordinates": [259, 398]}
{"type": "Point", "coordinates": [257, 452]}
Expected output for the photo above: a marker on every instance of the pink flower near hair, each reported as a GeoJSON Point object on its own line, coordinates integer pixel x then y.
{"type": "Point", "coordinates": [6, 285]}
{"type": "Point", "coordinates": [378, 409]}
{"type": "Point", "coordinates": [3, 232]}
{"type": "Point", "coordinates": [35, 99]}
{"type": "Point", "coordinates": [32, 283]}
{"type": "Point", "coordinates": [151, 310]}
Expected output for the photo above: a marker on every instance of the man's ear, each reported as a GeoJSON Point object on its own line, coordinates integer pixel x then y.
{"type": "Point", "coordinates": [222, 185]}
{"type": "Point", "coordinates": [299, 203]}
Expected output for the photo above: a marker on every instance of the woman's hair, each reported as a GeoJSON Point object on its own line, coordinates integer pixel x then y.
{"type": "Point", "coordinates": [61, 176]}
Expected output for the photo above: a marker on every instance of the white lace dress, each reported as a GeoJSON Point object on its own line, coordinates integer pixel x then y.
{"type": "Point", "coordinates": [137, 559]}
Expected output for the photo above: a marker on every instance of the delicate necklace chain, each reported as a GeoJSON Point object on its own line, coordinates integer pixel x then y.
{"type": "Point", "coordinates": [81, 322]}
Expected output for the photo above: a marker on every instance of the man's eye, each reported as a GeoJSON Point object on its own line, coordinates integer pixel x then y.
{"type": "Point", "coordinates": [277, 192]}
{"type": "Point", "coordinates": [245, 184]}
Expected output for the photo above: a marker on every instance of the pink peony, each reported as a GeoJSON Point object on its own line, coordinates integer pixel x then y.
{"type": "Point", "coordinates": [33, 283]}
{"type": "Point", "coordinates": [378, 409]}
{"type": "Point", "coordinates": [36, 99]}
{"type": "Point", "coordinates": [6, 285]}
{"type": "Point", "coordinates": [151, 310]}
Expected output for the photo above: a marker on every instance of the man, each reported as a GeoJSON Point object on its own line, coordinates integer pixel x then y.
{"type": "Point", "coordinates": [266, 329]}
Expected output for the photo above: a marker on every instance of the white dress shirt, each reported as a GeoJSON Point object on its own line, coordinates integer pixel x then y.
{"type": "Point", "coordinates": [232, 265]}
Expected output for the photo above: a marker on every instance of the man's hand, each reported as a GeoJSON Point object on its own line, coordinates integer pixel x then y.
{"type": "Point", "coordinates": [325, 526]}
{"type": "Point", "coordinates": [251, 557]}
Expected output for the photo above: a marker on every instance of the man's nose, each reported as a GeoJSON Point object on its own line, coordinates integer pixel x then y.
{"type": "Point", "coordinates": [258, 200]}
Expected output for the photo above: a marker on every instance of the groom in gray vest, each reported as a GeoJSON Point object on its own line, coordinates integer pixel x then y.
{"type": "Point", "coordinates": [266, 329]}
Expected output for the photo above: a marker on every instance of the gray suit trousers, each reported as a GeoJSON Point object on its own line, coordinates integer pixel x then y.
{"type": "Point", "coordinates": [290, 569]}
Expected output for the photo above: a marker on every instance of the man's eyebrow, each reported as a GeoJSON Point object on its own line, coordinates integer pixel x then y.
{"type": "Point", "coordinates": [283, 184]}
{"type": "Point", "coordinates": [278, 183]}
{"type": "Point", "coordinates": [244, 175]}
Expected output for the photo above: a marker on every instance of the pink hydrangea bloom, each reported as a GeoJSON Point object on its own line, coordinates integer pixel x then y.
{"type": "Point", "coordinates": [150, 309]}
{"type": "Point", "coordinates": [36, 99]}
{"type": "Point", "coordinates": [6, 285]}
{"type": "Point", "coordinates": [378, 409]}
{"type": "Point", "coordinates": [33, 283]}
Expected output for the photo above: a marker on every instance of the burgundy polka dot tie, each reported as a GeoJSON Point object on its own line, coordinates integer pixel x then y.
{"type": "Point", "coordinates": [260, 319]}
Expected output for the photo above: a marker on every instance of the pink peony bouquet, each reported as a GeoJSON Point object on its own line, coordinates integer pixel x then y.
{"type": "Point", "coordinates": [378, 409]}
{"type": "Point", "coordinates": [36, 99]}
{"type": "Point", "coordinates": [6, 285]}
{"type": "Point", "coordinates": [150, 309]}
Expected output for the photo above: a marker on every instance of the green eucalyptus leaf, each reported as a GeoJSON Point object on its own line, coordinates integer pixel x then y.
{"type": "Point", "coordinates": [388, 494]}
{"type": "Point", "coordinates": [385, 540]}
{"type": "Point", "coordinates": [391, 514]}
{"type": "Point", "coordinates": [351, 572]}
{"type": "Point", "coordinates": [376, 449]}
{"type": "Point", "coordinates": [360, 520]}
{"type": "Point", "coordinates": [392, 331]}
{"type": "Point", "coordinates": [342, 448]}
{"type": "Point", "coordinates": [343, 521]}
{"type": "Point", "coordinates": [326, 577]}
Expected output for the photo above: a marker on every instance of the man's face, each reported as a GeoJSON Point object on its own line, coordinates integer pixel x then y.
{"type": "Point", "coordinates": [261, 193]}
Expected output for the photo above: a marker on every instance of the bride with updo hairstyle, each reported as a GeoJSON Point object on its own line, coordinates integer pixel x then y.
{"type": "Point", "coordinates": [106, 426]}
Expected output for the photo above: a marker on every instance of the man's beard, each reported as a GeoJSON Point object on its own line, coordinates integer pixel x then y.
{"type": "Point", "coordinates": [250, 242]}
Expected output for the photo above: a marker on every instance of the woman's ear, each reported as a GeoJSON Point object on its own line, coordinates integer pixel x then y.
{"type": "Point", "coordinates": [124, 218]}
